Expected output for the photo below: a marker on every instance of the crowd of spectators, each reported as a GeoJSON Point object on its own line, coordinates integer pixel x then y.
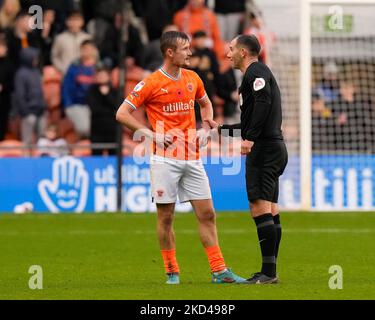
{"type": "Point", "coordinates": [59, 84]}
{"type": "Point", "coordinates": [343, 116]}
{"type": "Point", "coordinates": [61, 81]}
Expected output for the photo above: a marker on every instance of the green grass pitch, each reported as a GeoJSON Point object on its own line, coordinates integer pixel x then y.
{"type": "Point", "coordinates": [116, 256]}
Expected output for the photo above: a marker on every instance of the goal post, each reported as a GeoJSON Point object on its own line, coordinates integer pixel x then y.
{"type": "Point", "coordinates": [305, 106]}
{"type": "Point", "coordinates": [336, 147]}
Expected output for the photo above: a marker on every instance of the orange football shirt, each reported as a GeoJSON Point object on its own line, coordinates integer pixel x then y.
{"type": "Point", "coordinates": [169, 104]}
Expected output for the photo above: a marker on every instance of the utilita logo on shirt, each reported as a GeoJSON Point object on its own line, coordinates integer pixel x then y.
{"type": "Point", "coordinates": [178, 107]}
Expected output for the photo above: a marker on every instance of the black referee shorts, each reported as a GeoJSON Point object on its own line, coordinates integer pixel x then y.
{"type": "Point", "coordinates": [264, 165]}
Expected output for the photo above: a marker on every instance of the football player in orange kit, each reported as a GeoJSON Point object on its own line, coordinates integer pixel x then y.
{"type": "Point", "coordinates": [168, 95]}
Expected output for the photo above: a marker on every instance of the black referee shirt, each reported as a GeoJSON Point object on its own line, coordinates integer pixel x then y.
{"type": "Point", "coordinates": [260, 104]}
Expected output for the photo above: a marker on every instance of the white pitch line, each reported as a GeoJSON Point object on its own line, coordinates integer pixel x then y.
{"type": "Point", "coordinates": [183, 231]}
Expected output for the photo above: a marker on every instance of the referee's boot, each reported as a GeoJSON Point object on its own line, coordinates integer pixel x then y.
{"type": "Point", "coordinates": [260, 278]}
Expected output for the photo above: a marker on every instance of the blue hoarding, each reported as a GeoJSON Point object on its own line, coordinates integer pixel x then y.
{"type": "Point", "coordinates": [89, 184]}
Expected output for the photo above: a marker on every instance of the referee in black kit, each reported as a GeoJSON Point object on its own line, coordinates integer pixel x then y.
{"type": "Point", "coordinates": [263, 143]}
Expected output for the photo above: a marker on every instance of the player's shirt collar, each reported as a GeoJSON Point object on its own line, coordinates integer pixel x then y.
{"type": "Point", "coordinates": [169, 76]}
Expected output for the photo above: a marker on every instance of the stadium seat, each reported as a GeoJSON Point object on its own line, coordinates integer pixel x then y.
{"type": "Point", "coordinates": [82, 152]}
{"type": "Point", "coordinates": [13, 132]}
{"type": "Point", "coordinates": [67, 130]}
{"type": "Point", "coordinates": [14, 149]}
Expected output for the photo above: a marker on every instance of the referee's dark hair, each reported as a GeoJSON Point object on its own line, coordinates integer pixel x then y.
{"type": "Point", "coordinates": [169, 39]}
{"type": "Point", "coordinates": [249, 42]}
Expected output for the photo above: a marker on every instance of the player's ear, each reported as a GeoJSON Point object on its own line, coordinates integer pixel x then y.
{"type": "Point", "coordinates": [169, 52]}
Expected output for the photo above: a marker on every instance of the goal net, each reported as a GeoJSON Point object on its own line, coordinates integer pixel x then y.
{"type": "Point", "coordinates": [323, 56]}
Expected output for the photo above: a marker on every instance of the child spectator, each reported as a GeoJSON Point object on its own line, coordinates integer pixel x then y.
{"type": "Point", "coordinates": [51, 144]}
{"type": "Point", "coordinates": [66, 47]}
{"type": "Point", "coordinates": [76, 83]}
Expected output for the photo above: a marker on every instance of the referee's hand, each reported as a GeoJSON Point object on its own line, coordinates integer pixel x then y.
{"type": "Point", "coordinates": [246, 146]}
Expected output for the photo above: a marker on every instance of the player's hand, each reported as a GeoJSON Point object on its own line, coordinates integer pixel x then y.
{"type": "Point", "coordinates": [67, 190]}
{"type": "Point", "coordinates": [246, 146]}
{"type": "Point", "coordinates": [168, 140]}
{"type": "Point", "coordinates": [202, 137]}
{"type": "Point", "coordinates": [209, 124]}
{"type": "Point", "coordinates": [163, 140]}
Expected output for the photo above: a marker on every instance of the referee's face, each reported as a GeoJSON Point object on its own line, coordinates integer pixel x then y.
{"type": "Point", "coordinates": [234, 54]}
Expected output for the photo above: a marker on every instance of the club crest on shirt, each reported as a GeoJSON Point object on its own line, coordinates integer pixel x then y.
{"type": "Point", "coordinates": [258, 84]}
{"type": "Point", "coordinates": [190, 87]}
{"type": "Point", "coordinates": [160, 193]}
{"type": "Point", "coordinates": [139, 86]}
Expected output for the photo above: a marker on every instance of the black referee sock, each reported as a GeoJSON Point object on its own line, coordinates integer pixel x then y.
{"type": "Point", "coordinates": [276, 221]}
{"type": "Point", "coordinates": [267, 241]}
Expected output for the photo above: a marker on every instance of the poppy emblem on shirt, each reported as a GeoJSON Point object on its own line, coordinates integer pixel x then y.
{"type": "Point", "coordinates": [180, 93]}
{"type": "Point", "coordinates": [190, 87]}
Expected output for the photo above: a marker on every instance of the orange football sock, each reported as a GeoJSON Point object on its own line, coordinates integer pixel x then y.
{"type": "Point", "coordinates": [215, 258]}
{"type": "Point", "coordinates": [170, 262]}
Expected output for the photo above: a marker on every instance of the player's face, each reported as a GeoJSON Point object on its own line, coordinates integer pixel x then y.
{"type": "Point", "coordinates": [234, 54]}
{"type": "Point", "coordinates": [182, 54]}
